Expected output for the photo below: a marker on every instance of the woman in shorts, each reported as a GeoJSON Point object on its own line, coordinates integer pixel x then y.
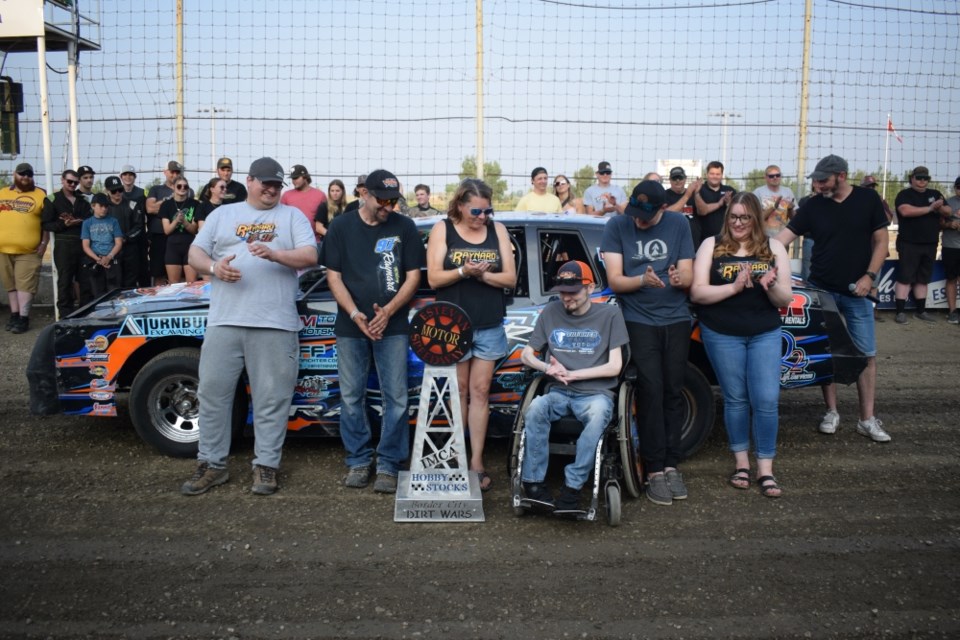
{"type": "Point", "coordinates": [470, 263]}
{"type": "Point", "coordinates": [178, 215]}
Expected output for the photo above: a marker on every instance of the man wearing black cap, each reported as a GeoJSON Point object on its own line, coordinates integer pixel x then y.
{"type": "Point", "coordinates": [64, 220]}
{"type": "Point", "coordinates": [306, 197]}
{"type": "Point", "coordinates": [649, 257]}
{"type": "Point", "coordinates": [235, 192]}
{"type": "Point", "coordinates": [849, 230]}
{"type": "Point", "coordinates": [87, 174]}
{"type": "Point", "coordinates": [23, 242]}
{"type": "Point", "coordinates": [360, 191]}
{"type": "Point", "coordinates": [373, 258]}
{"type": "Point", "coordinates": [604, 198]}
{"type": "Point", "coordinates": [130, 215]}
{"type": "Point", "coordinates": [919, 211]}
{"type": "Point", "coordinates": [252, 250]}
{"type": "Point", "coordinates": [582, 374]}
{"type": "Point", "coordinates": [680, 198]}
{"type": "Point", "coordinates": [950, 242]}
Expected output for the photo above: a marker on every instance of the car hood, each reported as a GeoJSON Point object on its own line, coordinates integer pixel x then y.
{"type": "Point", "coordinates": [119, 304]}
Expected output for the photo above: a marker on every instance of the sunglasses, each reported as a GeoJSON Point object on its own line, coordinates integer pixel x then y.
{"type": "Point", "coordinates": [72, 183]}
{"type": "Point", "coordinates": [924, 178]}
{"type": "Point", "coordinates": [678, 179]}
{"type": "Point", "coordinates": [388, 202]}
{"type": "Point", "coordinates": [773, 175]}
{"type": "Point", "coordinates": [477, 212]}
{"type": "Point", "coordinates": [744, 219]}
{"type": "Point", "coordinates": [559, 184]}
{"type": "Point", "coordinates": [605, 173]}
{"type": "Point", "coordinates": [116, 190]}
{"type": "Point", "coordinates": [181, 187]}
{"type": "Point", "coordinates": [25, 174]}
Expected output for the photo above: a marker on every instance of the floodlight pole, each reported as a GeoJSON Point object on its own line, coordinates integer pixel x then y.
{"type": "Point", "coordinates": [179, 82]}
{"type": "Point", "coordinates": [213, 111]}
{"type": "Point", "coordinates": [725, 115]}
{"type": "Point", "coordinates": [480, 89]}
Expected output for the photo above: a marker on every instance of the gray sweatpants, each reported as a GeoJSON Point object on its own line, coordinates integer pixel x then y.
{"type": "Point", "coordinates": [271, 359]}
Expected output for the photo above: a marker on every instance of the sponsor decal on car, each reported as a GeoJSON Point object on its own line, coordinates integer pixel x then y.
{"type": "Point", "coordinates": [100, 343]}
{"type": "Point", "coordinates": [101, 395]}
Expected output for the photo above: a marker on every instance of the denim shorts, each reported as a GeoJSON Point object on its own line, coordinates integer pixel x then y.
{"type": "Point", "coordinates": [488, 344]}
{"type": "Point", "coordinates": [858, 312]}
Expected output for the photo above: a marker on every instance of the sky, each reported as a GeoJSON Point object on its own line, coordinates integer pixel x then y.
{"type": "Point", "coordinates": [346, 87]}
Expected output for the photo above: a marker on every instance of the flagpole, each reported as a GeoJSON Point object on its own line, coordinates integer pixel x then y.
{"type": "Point", "coordinates": [886, 158]}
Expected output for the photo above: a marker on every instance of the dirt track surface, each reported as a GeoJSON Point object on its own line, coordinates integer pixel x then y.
{"type": "Point", "coordinates": [95, 540]}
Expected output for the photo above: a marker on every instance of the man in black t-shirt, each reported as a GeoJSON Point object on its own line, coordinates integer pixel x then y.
{"type": "Point", "coordinates": [680, 198]}
{"type": "Point", "coordinates": [919, 210]}
{"type": "Point", "coordinates": [373, 258]}
{"type": "Point", "coordinates": [849, 229]}
{"type": "Point", "coordinates": [712, 200]}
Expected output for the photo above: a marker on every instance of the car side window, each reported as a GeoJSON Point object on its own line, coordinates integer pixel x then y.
{"type": "Point", "coordinates": [556, 248]}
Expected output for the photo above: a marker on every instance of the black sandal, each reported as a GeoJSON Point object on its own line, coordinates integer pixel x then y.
{"type": "Point", "coordinates": [738, 477]}
{"type": "Point", "coordinates": [768, 485]}
{"type": "Point", "coordinates": [483, 475]}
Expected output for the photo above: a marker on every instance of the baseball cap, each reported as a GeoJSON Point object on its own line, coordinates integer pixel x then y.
{"type": "Point", "coordinates": [867, 181]}
{"type": "Point", "coordinates": [266, 170]}
{"type": "Point", "coordinates": [299, 171]}
{"type": "Point", "coordinates": [678, 172]}
{"type": "Point", "coordinates": [101, 199]}
{"type": "Point", "coordinates": [173, 165]}
{"type": "Point", "coordinates": [128, 168]}
{"type": "Point", "coordinates": [956, 183]}
{"type": "Point", "coordinates": [647, 199]}
{"type": "Point", "coordinates": [112, 183]}
{"type": "Point", "coordinates": [383, 184]}
{"type": "Point", "coordinates": [604, 166]}
{"type": "Point", "coordinates": [85, 170]}
{"type": "Point", "coordinates": [829, 166]}
{"type": "Point", "coordinates": [572, 276]}
{"type": "Point", "coordinates": [224, 163]}
{"type": "Point", "coordinates": [920, 171]}
{"type": "Point", "coordinates": [361, 182]}
{"type": "Point", "coordinates": [24, 167]}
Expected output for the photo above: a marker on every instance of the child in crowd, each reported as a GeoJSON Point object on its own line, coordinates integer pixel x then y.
{"type": "Point", "coordinates": [102, 241]}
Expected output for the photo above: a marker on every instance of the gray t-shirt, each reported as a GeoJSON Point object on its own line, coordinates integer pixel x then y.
{"type": "Point", "coordinates": [265, 296]}
{"type": "Point", "coordinates": [951, 237]}
{"type": "Point", "coordinates": [592, 197]}
{"type": "Point", "coordinates": [660, 246]}
{"type": "Point", "coordinates": [580, 342]}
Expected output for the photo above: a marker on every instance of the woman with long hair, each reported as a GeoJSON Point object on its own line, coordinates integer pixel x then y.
{"type": "Point", "coordinates": [212, 198]}
{"type": "Point", "coordinates": [470, 262]}
{"type": "Point", "coordinates": [334, 205]}
{"type": "Point", "coordinates": [569, 203]}
{"type": "Point", "coordinates": [740, 278]}
{"type": "Point", "coordinates": [178, 215]}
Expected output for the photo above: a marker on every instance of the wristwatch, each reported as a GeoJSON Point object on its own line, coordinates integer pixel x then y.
{"type": "Point", "coordinates": [873, 276]}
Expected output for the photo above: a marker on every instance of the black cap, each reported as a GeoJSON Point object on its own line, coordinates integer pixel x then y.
{"type": "Point", "coordinates": [383, 184]}
{"type": "Point", "coordinates": [173, 165]}
{"type": "Point", "coordinates": [604, 166]}
{"type": "Point", "coordinates": [101, 199]}
{"type": "Point", "coordinates": [112, 184]}
{"type": "Point", "coordinates": [829, 166]}
{"type": "Point", "coordinates": [84, 170]}
{"type": "Point", "coordinates": [266, 170]}
{"type": "Point", "coordinates": [24, 168]}
{"type": "Point", "coordinates": [572, 276]}
{"type": "Point", "coordinates": [956, 183]}
{"type": "Point", "coordinates": [678, 172]}
{"type": "Point", "coordinates": [647, 199]}
{"type": "Point", "coordinates": [299, 171]}
{"type": "Point", "coordinates": [224, 163]}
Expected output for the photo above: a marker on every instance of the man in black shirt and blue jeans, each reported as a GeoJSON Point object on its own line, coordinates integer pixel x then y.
{"type": "Point", "coordinates": [849, 229]}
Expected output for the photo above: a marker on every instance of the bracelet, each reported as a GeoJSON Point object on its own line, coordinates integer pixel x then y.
{"type": "Point", "coordinates": [460, 271]}
{"type": "Point", "coordinates": [355, 313]}
{"type": "Point", "coordinates": [213, 268]}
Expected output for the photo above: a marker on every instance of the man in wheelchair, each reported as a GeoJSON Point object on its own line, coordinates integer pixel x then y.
{"type": "Point", "coordinates": [582, 358]}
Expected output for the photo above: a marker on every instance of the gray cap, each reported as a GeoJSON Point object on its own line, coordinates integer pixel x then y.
{"type": "Point", "coordinates": [267, 170]}
{"type": "Point", "coordinates": [829, 166]}
{"type": "Point", "coordinates": [128, 168]}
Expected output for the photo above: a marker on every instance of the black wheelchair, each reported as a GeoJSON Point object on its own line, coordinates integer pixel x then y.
{"type": "Point", "coordinates": [616, 464]}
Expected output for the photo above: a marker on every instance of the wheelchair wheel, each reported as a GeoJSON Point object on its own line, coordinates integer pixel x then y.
{"type": "Point", "coordinates": [613, 505]}
{"type": "Point", "coordinates": [532, 391]}
{"type": "Point", "coordinates": [627, 434]}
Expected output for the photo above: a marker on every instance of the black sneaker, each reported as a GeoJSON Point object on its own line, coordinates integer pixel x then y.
{"type": "Point", "coordinates": [264, 480]}
{"type": "Point", "coordinates": [22, 325]}
{"type": "Point", "coordinates": [12, 322]}
{"type": "Point", "coordinates": [569, 499]}
{"type": "Point", "coordinates": [539, 493]}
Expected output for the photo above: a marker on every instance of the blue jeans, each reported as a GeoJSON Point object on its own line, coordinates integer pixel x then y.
{"type": "Point", "coordinates": [353, 363]}
{"type": "Point", "coordinates": [593, 410]}
{"type": "Point", "coordinates": [858, 313]}
{"type": "Point", "coordinates": [748, 369]}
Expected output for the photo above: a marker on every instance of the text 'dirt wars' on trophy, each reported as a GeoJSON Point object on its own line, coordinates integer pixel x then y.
{"type": "Point", "coordinates": [438, 487]}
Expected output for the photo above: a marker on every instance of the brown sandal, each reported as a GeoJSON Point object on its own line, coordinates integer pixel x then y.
{"type": "Point", "coordinates": [740, 479]}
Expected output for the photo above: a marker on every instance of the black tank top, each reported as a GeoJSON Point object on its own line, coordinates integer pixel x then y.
{"type": "Point", "coordinates": [485, 305]}
{"type": "Point", "coordinates": [748, 313]}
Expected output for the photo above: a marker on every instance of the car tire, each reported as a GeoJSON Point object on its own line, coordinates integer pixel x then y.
{"type": "Point", "coordinates": [164, 406]}
{"type": "Point", "coordinates": [699, 411]}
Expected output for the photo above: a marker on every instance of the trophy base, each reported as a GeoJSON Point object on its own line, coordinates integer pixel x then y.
{"type": "Point", "coordinates": [438, 495]}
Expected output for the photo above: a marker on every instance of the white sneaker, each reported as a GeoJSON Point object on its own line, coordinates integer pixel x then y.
{"type": "Point", "coordinates": [873, 429]}
{"type": "Point", "coordinates": [829, 423]}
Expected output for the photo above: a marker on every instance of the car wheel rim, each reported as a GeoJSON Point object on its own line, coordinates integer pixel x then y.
{"type": "Point", "coordinates": [174, 408]}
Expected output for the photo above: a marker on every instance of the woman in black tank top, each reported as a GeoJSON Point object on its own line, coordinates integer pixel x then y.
{"type": "Point", "coordinates": [740, 278]}
{"type": "Point", "coordinates": [470, 262]}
